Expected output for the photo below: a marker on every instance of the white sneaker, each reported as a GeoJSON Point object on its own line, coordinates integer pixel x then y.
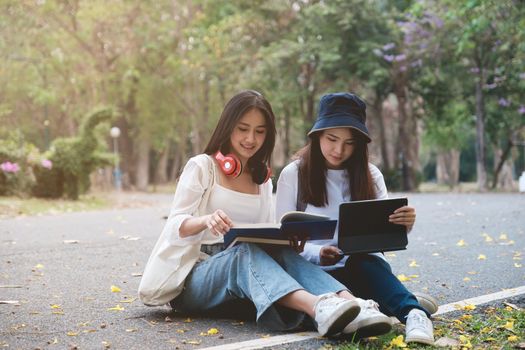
{"type": "Point", "coordinates": [427, 302]}
{"type": "Point", "coordinates": [419, 328]}
{"type": "Point", "coordinates": [333, 313]}
{"type": "Point", "coordinates": [369, 322]}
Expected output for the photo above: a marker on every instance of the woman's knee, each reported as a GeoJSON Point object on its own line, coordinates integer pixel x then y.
{"type": "Point", "coordinates": [252, 251]}
{"type": "Point", "coordinates": [361, 263]}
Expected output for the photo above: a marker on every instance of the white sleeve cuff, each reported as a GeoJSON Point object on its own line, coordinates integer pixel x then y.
{"type": "Point", "coordinates": [311, 253]}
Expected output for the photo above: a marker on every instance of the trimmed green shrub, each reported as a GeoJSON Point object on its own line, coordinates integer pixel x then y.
{"type": "Point", "coordinates": [74, 158]}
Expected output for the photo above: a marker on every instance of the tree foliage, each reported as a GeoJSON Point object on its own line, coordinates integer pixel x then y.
{"type": "Point", "coordinates": [168, 67]}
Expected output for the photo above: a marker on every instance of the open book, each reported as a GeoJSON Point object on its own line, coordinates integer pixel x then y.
{"type": "Point", "coordinates": [294, 223]}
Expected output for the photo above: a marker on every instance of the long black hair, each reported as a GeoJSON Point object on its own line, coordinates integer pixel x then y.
{"type": "Point", "coordinates": [235, 109]}
{"type": "Point", "coordinates": [312, 171]}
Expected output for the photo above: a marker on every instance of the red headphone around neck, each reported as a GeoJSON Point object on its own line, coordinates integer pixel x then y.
{"type": "Point", "coordinates": [230, 165]}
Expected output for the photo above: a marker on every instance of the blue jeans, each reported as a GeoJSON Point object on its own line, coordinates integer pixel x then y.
{"type": "Point", "coordinates": [370, 277]}
{"type": "Point", "coordinates": [261, 276]}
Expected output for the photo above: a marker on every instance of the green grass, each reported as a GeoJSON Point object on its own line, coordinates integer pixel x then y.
{"type": "Point", "coordinates": [486, 328]}
{"type": "Point", "coordinates": [462, 187]}
{"type": "Point", "coordinates": [168, 188]}
{"type": "Point", "coordinates": [14, 206]}
{"type": "Point", "coordinates": [432, 187]}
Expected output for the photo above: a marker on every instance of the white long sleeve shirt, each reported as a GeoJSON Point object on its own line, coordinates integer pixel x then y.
{"type": "Point", "coordinates": [338, 191]}
{"type": "Point", "coordinates": [199, 192]}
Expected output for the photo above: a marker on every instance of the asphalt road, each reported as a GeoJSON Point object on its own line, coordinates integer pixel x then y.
{"type": "Point", "coordinates": [58, 271]}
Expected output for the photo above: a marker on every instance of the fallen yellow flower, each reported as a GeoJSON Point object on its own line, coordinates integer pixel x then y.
{"type": "Point", "coordinates": [458, 322]}
{"type": "Point", "coordinates": [461, 243]}
{"type": "Point", "coordinates": [116, 308]}
{"type": "Point", "coordinates": [469, 307]}
{"type": "Point", "coordinates": [192, 342]}
{"type": "Point", "coordinates": [482, 257]}
{"type": "Point", "coordinates": [485, 330]}
{"type": "Point", "coordinates": [398, 342]}
{"type": "Point", "coordinates": [213, 331]}
{"type": "Point", "coordinates": [115, 289]}
{"type": "Point", "coordinates": [39, 266]}
{"type": "Point", "coordinates": [413, 263]}
{"type": "Point", "coordinates": [72, 334]}
{"type": "Point", "coordinates": [403, 278]}
{"type": "Point", "coordinates": [509, 325]}
{"type": "Point", "coordinates": [503, 236]}
{"type": "Point", "coordinates": [56, 306]}
{"type": "Point", "coordinates": [465, 342]}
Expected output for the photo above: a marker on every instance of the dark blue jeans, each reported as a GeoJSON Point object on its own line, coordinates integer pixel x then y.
{"type": "Point", "coordinates": [371, 277]}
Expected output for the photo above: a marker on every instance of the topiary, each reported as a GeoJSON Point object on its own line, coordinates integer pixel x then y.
{"type": "Point", "coordinates": [74, 158]}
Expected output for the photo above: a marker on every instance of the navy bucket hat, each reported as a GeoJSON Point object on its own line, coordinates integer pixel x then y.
{"type": "Point", "coordinates": [341, 110]}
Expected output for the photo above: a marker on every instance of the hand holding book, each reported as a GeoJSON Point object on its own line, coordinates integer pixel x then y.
{"type": "Point", "coordinates": [294, 229]}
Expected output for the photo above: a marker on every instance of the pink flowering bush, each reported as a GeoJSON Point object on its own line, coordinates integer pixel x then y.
{"type": "Point", "coordinates": [8, 167]}
{"type": "Point", "coordinates": [8, 177]}
{"type": "Point", "coordinates": [18, 160]}
{"type": "Point", "coordinates": [14, 177]}
{"type": "Point", "coordinates": [46, 163]}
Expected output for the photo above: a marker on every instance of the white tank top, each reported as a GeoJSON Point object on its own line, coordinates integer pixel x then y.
{"type": "Point", "coordinates": [240, 207]}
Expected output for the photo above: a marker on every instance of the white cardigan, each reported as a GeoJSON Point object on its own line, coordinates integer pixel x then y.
{"type": "Point", "coordinates": [173, 257]}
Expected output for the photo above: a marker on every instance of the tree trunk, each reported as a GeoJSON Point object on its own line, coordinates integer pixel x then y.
{"type": "Point", "coordinates": [126, 150]}
{"type": "Point", "coordinates": [161, 172]}
{"type": "Point", "coordinates": [378, 107]}
{"type": "Point", "coordinates": [179, 159]}
{"type": "Point", "coordinates": [287, 121]}
{"type": "Point", "coordinates": [447, 168]}
{"type": "Point", "coordinates": [408, 139]}
{"type": "Point", "coordinates": [125, 142]}
{"type": "Point", "coordinates": [503, 165]}
{"type": "Point", "coordinates": [143, 164]}
{"type": "Point", "coordinates": [307, 82]}
{"type": "Point", "coordinates": [199, 122]}
{"type": "Point", "coordinates": [480, 130]}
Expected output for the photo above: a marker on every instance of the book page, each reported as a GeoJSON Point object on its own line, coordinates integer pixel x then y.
{"type": "Point", "coordinates": [302, 216]}
{"type": "Point", "coordinates": [257, 225]}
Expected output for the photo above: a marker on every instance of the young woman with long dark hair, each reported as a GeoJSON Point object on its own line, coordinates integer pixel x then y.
{"type": "Point", "coordinates": [331, 169]}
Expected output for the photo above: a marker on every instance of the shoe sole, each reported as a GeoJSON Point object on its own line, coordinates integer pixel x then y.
{"type": "Point", "coordinates": [369, 327]}
{"type": "Point", "coordinates": [420, 340]}
{"type": "Point", "coordinates": [427, 302]}
{"type": "Point", "coordinates": [342, 319]}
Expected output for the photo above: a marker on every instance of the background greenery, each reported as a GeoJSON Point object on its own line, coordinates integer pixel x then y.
{"type": "Point", "coordinates": [444, 81]}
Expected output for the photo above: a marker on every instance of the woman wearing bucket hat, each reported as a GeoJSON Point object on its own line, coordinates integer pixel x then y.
{"type": "Point", "coordinates": [333, 168]}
